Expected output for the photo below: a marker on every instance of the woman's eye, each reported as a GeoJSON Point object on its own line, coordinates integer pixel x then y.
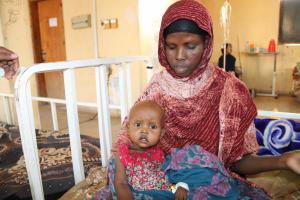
{"type": "Point", "coordinates": [170, 46]}
{"type": "Point", "coordinates": [191, 46]}
{"type": "Point", "coordinates": [153, 126]}
{"type": "Point", "coordinates": [137, 124]}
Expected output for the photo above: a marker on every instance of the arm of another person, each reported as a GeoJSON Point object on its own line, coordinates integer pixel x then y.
{"type": "Point", "coordinates": [9, 62]}
{"type": "Point", "coordinates": [121, 184]}
{"type": "Point", "coordinates": [252, 164]}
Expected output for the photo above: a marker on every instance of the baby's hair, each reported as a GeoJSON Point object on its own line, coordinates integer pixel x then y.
{"type": "Point", "coordinates": [148, 103]}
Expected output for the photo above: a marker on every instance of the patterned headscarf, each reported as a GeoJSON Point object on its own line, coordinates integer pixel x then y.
{"type": "Point", "coordinates": [191, 10]}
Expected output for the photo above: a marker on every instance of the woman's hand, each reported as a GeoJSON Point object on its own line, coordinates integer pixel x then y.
{"type": "Point", "coordinates": [181, 194]}
{"type": "Point", "coordinates": [9, 61]}
{"type": "Point", "coordinates": [291, 161]}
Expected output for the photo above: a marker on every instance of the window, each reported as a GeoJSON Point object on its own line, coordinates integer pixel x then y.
{"type": "Point", "coordinates": [289, 24]}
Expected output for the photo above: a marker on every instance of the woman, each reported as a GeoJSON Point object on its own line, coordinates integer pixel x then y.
{"type": "Point", "coordinates": [203, 104]}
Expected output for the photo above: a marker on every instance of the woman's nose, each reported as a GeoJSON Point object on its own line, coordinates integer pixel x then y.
{"type": "Point", "coordinates": [180, 54]}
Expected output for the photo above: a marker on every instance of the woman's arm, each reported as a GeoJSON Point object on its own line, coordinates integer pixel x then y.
{"type": "Point", "coordinates": [121, 184]}
{"type": "Point", "coordinates": [252, 164]}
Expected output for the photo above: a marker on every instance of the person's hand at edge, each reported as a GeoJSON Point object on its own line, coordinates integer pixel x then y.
{"type": "Point", "coordinates": [9, 61]}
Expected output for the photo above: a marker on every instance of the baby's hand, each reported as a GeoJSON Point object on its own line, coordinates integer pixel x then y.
{"type": "Point", "coordinates": [181, 194]}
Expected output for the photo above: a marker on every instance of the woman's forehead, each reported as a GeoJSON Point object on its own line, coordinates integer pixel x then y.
{"type": "Point", "coordinates": [185, 37]}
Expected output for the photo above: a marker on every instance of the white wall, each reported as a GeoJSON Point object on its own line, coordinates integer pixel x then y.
{"type": "Point", "coordinates": [16, 35]}
{"type": "Point", "coordinates": [255, 21]}
{"type": "Point", "coordinates": [123, 41]}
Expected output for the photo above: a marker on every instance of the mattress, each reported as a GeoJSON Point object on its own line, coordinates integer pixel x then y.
{"type": "Point", "coordinates": [55, 159]}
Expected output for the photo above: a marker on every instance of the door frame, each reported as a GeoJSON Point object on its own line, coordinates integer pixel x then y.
{"type": "Point", "coordinates": [37, 46]}
{"type": "Point", "coordinates": [35, 30]}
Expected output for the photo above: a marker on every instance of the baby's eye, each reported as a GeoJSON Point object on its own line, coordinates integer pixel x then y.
{"type": "Point", "coordinates": [152, 126]}
{"type": "Point", "coordinates": [138, 124]}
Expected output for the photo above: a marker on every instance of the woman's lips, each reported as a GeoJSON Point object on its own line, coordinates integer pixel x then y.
{"type": "Point", "coordinates": [180, 68]}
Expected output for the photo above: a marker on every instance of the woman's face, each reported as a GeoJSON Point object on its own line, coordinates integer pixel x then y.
{"type": "Point", "coordinates": [184, 52]}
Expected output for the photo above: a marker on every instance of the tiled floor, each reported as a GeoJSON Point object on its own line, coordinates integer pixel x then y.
{"type": "Point", "coordinates": [89, 119]}
{"type": "Point", "coordinates": [281, 104]}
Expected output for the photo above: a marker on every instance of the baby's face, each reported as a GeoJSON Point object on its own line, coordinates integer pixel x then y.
{"type": "Point", "coordinates": [145, 126]}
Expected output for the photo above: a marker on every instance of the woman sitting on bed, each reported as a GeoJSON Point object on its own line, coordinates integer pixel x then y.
{"type": "Point", "coordinates": [204, 105]}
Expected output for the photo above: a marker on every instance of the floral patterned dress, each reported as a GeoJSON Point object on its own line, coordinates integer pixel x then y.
{"type": "Point", "coordinates": [144, 168]}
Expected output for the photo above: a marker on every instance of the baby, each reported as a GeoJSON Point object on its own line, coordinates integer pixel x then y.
{"type": "Point", "coordinates": [138, 166]}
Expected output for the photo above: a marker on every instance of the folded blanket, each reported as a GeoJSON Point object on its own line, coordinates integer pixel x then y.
{"type": "Point", "coordinates": [276, 137]}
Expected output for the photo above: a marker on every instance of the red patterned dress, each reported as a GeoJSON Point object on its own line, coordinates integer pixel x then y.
{"type": "Point", "coordinates": [144, 168]}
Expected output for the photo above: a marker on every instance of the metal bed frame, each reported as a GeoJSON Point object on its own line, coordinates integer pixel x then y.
{"type": "Point", "coordinates": [23, 100]}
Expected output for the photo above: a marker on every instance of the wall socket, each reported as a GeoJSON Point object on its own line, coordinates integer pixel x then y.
{"type": "Point", "coordinates": [109, 23]}
{"type": "Point", "coordinates": [113, 23]}
{"type": "Point", "coordinates": [105, 23]}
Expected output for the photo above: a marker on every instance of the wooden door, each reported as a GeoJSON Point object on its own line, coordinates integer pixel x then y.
{"type": "Point", "coordinates": [52, 43]}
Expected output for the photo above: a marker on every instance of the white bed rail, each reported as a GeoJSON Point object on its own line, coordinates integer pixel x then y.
{"type": "Point", "coordinates": [7, 98]}
{"type": "Point", "coordinates": [24, 109]}
{"type": "Point", "coordinates": [6, 107]}
{"type": "Point", "coordinates": [284, 115]}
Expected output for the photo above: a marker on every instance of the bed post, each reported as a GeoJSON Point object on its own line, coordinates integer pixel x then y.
{"type": "Point", "coordinates": [73, 124]}
{"type": "Point", "coordinates": [28, 138]}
